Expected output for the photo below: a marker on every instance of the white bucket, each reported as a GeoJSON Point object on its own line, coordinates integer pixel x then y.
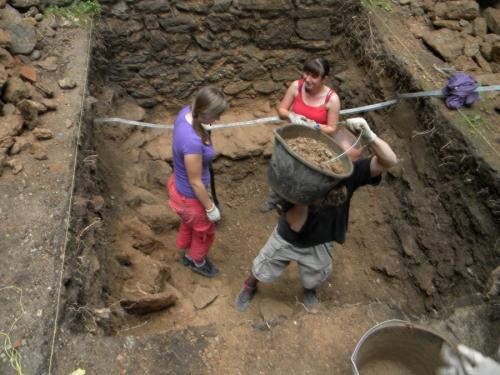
{"type": "Point", "coordinates": [396, 347]}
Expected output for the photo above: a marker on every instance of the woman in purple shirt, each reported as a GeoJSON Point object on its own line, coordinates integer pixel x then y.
{"type": "Point", "coordinates": [188, 186]}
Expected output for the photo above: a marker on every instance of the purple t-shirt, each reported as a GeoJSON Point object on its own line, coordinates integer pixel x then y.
{"type": "Point", "coordinates": [187, 142]}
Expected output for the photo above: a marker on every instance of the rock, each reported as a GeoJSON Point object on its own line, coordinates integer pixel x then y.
{"type": "Point", "coordinates": [492, 17]}
{"type": "Point", "coordinates": [271, 309]}
{"type": "Point", "coordinates": [15, 90]}
{"type": "Point", "coordinates": [424, 276]}
{"type": "Point", "coordinates": [159, 148]}
{"type": "Point", "coordinates": [135, 196]}
{"type": "Point", "coordinates": [447, 43]}
{"type": "Point", "coordinates": [24, 4]}
{"type": "Point", "coordinates": [158, 217]}
{"type": "Point", "coordinates": [10, 109]}
{"type": "Point", "coordinates": [318, 29]}
{"type": "Point", "coordinates": [23, 37]}
{"type": "Point", "coordinates": [264, 5]}
{"type": "Point", "coordinates": [203, 296]}
{"type": "Point", "coordinates": [130, 110]}
{"type": "Point", "coordinates": [29, 109]}
{"type": "Point", "coordinates": [286, 74]}
{"type": "Point", "coordinates": [97, 203]}
{"type": "Point", "coordinates": [192, 7]}
{"type": "Point", "coordinates": [488, 79]}
{"type": "Point", "coordinates": [234, 88]}
{"type": "Point", "coordinates": [404, 2]}
{"type": "Point", "coordinates": [66, 84]}
{"type": "Point", "coordinates": [495, 52]}
{"type": "Point", "coordinates": [483, 64]}
{"type": "Point", "coordinates": [4, 76]}
{"type": "Point", "coordinates": [50, 104]}
{"type": "Point", "coordinates": [479, 27]}
{"type": "Point", "coordinates": [485, 49]}
{"type": "Point", "coordinates": [456, 10]}
{"type": "Point", "coordinates": [178, 24]}
{"type": "Point", "coordinates": [148, 303]}
{"type": "Point", "coordinates": [45, 90]}
{"type": "Point", "coordinates": [153, 6]}
{"type": "Point", "coordinates": [266, 87]}
{"type": "Point", "coordinates": [388, 264]}
{"type": "Point", "coordinates": [471, 45]}
{"type": "Point", "coordinates": [10, 125]}
{"type": "Point", "coordinates": [493, 286]}
{"type": "Point", "coordinates": [49, 63]}
{"type": "Point", "coordinates": [6, 58]}
{"type": "Point", "coordinates": [5, 39]}
{"type": "Point", "coordinates": [15, 164]}
{"type": "Point", "coordinates": [27, 72]}
{"type": "Point", "coordinates": [21, 144]}
{"type": "Point", "coordinates": [448, 24]}
{"type": "Point", "coordinates": [42, 134]}
{"type": "Point", "coordinates": [35, 55]}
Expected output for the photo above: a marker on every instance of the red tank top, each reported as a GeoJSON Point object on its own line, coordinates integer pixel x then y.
{"type": "Point", "coordinates": [318, 114]}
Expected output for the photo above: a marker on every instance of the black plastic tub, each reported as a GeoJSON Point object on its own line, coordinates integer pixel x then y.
{"type": "Point", "coordinates": [295, 179]}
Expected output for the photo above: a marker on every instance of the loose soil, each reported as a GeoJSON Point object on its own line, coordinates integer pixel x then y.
{"type": "Point", "coordinates": [317, 153]}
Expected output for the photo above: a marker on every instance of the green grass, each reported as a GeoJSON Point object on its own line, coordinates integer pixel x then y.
{"type": "Point", "coordinates": [80, 12]}
{"type": "Point", "coordinates": [384, 4]}
{"type": "Point", "coordinates": [475, 120]}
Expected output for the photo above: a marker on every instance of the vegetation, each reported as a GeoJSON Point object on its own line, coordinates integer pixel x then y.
{"type": "Point", "coordinates": [79, 12]}
{"type": "Point", "coordinates": [384, 4]}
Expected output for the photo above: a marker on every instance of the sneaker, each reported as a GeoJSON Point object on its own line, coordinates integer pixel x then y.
{"type": "Point", "coordinates": [310, 298]}
{"type": "Point", "coordinates": [244, 297]}
{"type": "Point", "coordinates": [207, 269]}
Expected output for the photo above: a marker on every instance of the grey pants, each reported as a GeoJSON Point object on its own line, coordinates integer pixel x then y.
{"type": "Point", "coordinates": [315, 262]}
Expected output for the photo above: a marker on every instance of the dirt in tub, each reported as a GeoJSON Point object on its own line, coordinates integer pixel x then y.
{"type": "Point", "coordinates": [316, 153]}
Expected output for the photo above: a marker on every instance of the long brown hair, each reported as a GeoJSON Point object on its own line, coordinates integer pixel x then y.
{"type": "Point", "coordinates": [209, 102]}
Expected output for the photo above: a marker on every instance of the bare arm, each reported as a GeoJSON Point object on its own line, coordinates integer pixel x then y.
{"type": "Point", "coordinates": [283, 107]}
{"type": "Point", "coordinates": [384, 158]}
{"type": "Point", "coordinates": [193, 163]}
{"type": "Point", "coordinates": [333, 107]}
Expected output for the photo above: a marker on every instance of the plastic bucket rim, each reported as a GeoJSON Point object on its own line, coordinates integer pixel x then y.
{"type": "Point", "coordinates": [312, 166]}
{"type": "Point", "coordinates": [384, 324]}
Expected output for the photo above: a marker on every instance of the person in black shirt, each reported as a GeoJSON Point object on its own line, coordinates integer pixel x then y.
{"type": "Point", "coordinates": [305, 234]}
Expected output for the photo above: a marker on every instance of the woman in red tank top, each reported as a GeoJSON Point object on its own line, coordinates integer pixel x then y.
{"type": "Point", "coordinates": [311, 98]}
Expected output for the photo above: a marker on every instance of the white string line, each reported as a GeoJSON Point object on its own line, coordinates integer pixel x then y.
{"type": "Point", "coordinates": [343, 112]}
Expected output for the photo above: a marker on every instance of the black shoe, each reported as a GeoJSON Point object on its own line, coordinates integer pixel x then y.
{"type": "Point", "coordinates": [310, 298]}
{"type": "Point", "coordinates": [207, 269]}
{"type": "Point", "coordinates": [244, 297]}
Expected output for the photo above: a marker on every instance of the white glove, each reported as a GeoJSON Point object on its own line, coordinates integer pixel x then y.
{"type": "Point", "coordinates": [475, 363]}
{"type": "Point", "coordinates": [302, 120]}
{"type": "Point", "coordinates": [207, 127]}
{"type": "Point", "coordinates": [359, 125]}
{"type": "Point", "coordinates": [467, 362]}
{"type": "Point", "coordinates": [213, 213]}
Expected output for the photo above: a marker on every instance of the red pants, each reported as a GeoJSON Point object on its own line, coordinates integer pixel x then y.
{"type": "Point", "coordinates": [196, 232]}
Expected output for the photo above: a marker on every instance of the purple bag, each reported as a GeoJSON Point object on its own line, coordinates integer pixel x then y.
{"type": "Point", "coordinates": [460, 91]}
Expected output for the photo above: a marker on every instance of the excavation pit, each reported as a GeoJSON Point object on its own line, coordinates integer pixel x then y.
{"type": "Point", "coordinates": [419, 245]}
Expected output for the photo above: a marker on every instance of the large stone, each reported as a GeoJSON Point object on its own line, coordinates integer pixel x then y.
{"type": "Point", "coordinates": [479, 26]}
{"type": "Point", "coordinates": [15, 90]}
{"type": "Point", "coordinates": [447, 43]}
{"type": "Point", "coordinates": [24, 4]}
{"type": "Point", "coordinates": [158, 41]}
{"type": "Point", "coordinates": [264, 5]}
{"type": "Point", "coordinates": [456, 10]}
{"type": "Point", "coordinates": [276, 33]}
{"type": "Point", "coordinates": [147, 304]}
{"type": "Point", "coordinates": [158, 217]}
{"type": "Point", "coordinates": [203, 296]}
{"type": "Point", "coordinates": [192, 7]}
{"type": "Point", "coordinates": [492, 17]}
{"type": "Point", "coordinates": [317, 29]}
{"type": "Point", "coordinates": [287, 74]}
{"type": "Point", "coordinates": [495, 52]}
{"type": "Point", "coordinates": [266, 87]}
{"type": "Point", "coordinates": [10, 125]}
{"type": "Point", "coordinates": [221, 22]}
{"type": "Point", "coordinates": [234, 88]}
{"type": "Point", "coordinates": [6, 58]}
{"type": "Point", "coordinates": [179, 24]}
{"type": "Point", "coordinates": [29, 109]}
{"type": "Point", "coordinates": [252, 70]}
{"type": "Point", "coordinates": [153, 6]}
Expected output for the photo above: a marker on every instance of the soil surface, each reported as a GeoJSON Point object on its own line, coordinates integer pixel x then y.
{"type": "Point", "coordinates": [420, 246]}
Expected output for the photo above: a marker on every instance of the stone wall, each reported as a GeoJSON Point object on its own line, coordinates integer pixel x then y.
{"type": "Point", "coordinates": [162, 51]}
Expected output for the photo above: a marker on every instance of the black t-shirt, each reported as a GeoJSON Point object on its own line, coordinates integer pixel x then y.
{"type": "Point", "coordinates": [326, 224]}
